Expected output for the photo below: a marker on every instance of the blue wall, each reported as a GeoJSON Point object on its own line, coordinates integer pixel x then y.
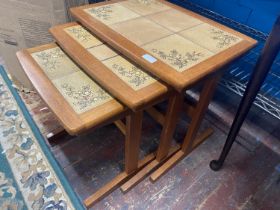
{"type": "Point", "coordinates": [258, 14]}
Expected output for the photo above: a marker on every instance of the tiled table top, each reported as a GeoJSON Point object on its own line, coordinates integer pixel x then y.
{"type": "Point", "coordinates": [70, 93]}
{"type": "Point", "coordinates": [177, 38]}
{"type": "Point", "coordinates": [80, 91]}
{"type": "Point", "coordinates": [124, 79]}
{"type": "Point", "coordinates": [129, 73]}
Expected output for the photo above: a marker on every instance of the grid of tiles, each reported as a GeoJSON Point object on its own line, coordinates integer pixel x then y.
{"type": "Point", "coordinates": [81, 92]}
{"type": "Point", "coordinates": [125, 70]}
{"type": "Point", "coordinates": [161, 28]}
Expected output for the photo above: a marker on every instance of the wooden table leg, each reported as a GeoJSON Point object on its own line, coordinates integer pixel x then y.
{"type": "Point", "coordinates": [199, 112]}
{"type": "Point", "coordinates": [132, 164]}
{"type": "Point", "coordinates": [178, 156]}
{"type": "Point", "coordinates": [114, 183]}
{"type": "Point", "coordinates": [188, 143]}
{"type": "Point", "coordinates": [132, 140]}
{"type": "Point", "coordinates": [171, 119]}
{"type": "Point", "coordinates": [121, 126]}
{"type": "Point", "coordinates": [164, 150]}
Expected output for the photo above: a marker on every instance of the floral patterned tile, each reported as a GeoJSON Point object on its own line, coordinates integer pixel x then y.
{"type": "Point", "coordinates": [211, 37]}
{"type": "Point", "coordinates": [175, 20]}
{"type": "Point", "coordinates": [81, 35]}
{"type": "Point", "coordinates": [102, 52]}
{"type": "Point", "coordinates": [178, 52]}
{"type": "Point", "coordinates": [145, 7]}
{"type": "Point", "coordinates": [113, 13]}
{"type": "Point", "coordinates": [81, 92]}
{"type": "Point", "coordinates": [147, 30]}
{"type": "Point", "coordinates": [90, 42]}
{"type": "Point", "coordinates": [52, 61]}
{"type": "Point", "coordinates": [130, 74]}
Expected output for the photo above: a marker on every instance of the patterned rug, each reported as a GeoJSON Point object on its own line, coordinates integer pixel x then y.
{"type": "Point", "coordinates": [30, 178]}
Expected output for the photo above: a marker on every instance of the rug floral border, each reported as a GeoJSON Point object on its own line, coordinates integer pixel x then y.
{"type": "Point", "coordinates": [37, 175]}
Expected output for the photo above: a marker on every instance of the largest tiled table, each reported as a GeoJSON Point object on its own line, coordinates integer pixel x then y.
{"type": "Point", "coordinates": [176, 45]}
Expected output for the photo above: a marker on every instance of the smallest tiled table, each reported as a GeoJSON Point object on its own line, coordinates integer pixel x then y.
{"type": "Point", "coordinates": [67, 90]}
{"type": "Point", "coordinates": [176, 45]}
{"type": "Point", "coordinates": [80, 104]}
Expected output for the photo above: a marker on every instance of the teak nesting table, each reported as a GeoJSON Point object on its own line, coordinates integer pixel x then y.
{"type": "Point", "coordinates": [174, 44]}
{"type": "Point", "coordinates": [141, 52]}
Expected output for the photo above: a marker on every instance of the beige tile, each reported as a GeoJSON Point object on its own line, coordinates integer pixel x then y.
{"type": "Point", "coordinates": [113, 13]}
{"type": "Point", "coordinates": [211, 37]}
{"type": "Point", "coordinates": [178, 52]}
{"type": "Point", "coordinates": [81, 35]}
{"type": "Point", "coordinates": [55, 63]}
{"type": "Point", "coordinates": [174, 20]}
{"type": "Point", "coordinates": [141, 30]}
{"type": "Point", "coordinates": [102, 52]}
{"type": "Point", "coordinates": [130, 74]}
{"type": "Point", "coordinates": [92, 44]}
{"type": "Point", "coordinates": [145, 7]}
{"type": "Point", "coordinates": [81, 92]}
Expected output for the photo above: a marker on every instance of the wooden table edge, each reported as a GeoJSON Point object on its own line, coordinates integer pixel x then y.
{"type": "Point", "coordinates": [180, 85]}
{"type": "Point", "coordinates": [73, 123]}
{"type": "Point", "coordinates": [62, 38]}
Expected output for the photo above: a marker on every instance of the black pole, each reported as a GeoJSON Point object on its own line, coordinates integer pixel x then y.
{"type": "Point", "coordinates": [259, 74]}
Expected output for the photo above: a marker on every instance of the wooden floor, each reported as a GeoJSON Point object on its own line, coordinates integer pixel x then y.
{"type": "Point", "coordinates": [250, 178]}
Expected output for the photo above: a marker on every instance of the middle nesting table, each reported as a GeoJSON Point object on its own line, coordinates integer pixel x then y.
{"type": "Point", "coordinates": [123, 79]}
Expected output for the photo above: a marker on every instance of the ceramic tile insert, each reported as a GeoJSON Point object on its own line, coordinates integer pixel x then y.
{"type": "Point", "coordinates": [52, 61]}
{"type": "Point", "coordinates": [81, 92]}
{"type": "Point", "coordinates": [102, 52]}
{"type": "Point", "coordinates": [178, 52]}
{"type": "Point", "coordinates": [211, 37]}
{"type": "Point", "coordinates": [90, 42]}
{"type": "Point", "coordinates": [82, 36]}
{"type": "Point", "coordinates": [113, 13]}
{"type": "Point", "coordinates": [141, 30]}
{"type": "Point", "coordinates": [145, 7]}
{"type": "Point", "coordinates": [174, 20]}
{"type": "Point", "coordinates": [130, 74]}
